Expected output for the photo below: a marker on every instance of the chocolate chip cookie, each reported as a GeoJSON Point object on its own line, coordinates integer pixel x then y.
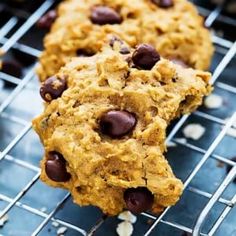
{"type": "Point", "coordinates": [173, 27]}
{"type": "Point", "coordinates": [104, 127]}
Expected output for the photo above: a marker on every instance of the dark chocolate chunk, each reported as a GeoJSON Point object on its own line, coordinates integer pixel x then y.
{"type": "Point", "coordinates": [12, 67]}
{"type": "Point", "coordinates": [145, 56]}
{"type": "Point", "coordinates": [102, 15]}
{"type": "Point", "coordinates": [46, 21]}
{"type": "Point", "coordinates": [230, 167]}
{"type": "Point", "coordinates": [52, 88]}
{"type": "Point", "coordinates": [163, 3]}
{"type": "Point", "coordinates": [84, 53]}
{"type": "Point", "coordinates": [117, 123]}
{"type": "Point", "coordinates": [24, 58]}
{"type": "Point", "coordinates": [138, 199]}
{"type": "Point", "coordinates": [55, 167]}
{"type": "Point", "coordinates": [124, 50]}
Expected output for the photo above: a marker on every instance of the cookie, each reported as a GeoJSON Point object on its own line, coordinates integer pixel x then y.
{"type": "Point", "coordinates": [104, 127]}
{"type": "Point", "coordinates": [173, 27]}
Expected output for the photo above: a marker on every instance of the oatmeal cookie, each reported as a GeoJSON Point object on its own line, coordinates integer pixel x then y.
{"type": "Point", "coordinates": [104, 127]}
{"type": "Point", "coordinates": [173, 27]}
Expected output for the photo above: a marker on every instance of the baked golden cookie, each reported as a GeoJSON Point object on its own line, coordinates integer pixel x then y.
{"type": "Point", "coordinates": [173, 27]}
{"type": "Point", "coordinates": [104, 127]}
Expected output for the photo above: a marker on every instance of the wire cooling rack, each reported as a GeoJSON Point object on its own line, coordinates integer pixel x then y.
{"type": "Point", "coordinates": [32, 208]}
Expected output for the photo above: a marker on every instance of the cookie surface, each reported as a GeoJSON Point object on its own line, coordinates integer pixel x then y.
{"type": "Point", "coordinates": [104, 136]}
{"type": "Point", "coordinates": [176, 31]}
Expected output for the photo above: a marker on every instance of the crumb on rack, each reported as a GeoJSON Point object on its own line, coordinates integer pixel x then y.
{"type": "Point", "coordinates": [194, 131]}
{"type": "Point", "coordinates": [127, 216]}
{"type": "Point", "coordinates": [171, 144]}
{"type": "Point", "coordinates": [43, 209]}
{"type": "Point", "coordinates": [125, 228]}
{"type": "Point", "coordinates": [61, 231]}
{"type": "Point", "coordinates": [181, 140]}
{"type": "Point", "coordinates": [213, 101]}
{"type": "Point", "coordinates": [231, 132]}
{"type": "Point", "coordinates": [220, 164]}
{"type": "Point", "coordinates": [55, 224]}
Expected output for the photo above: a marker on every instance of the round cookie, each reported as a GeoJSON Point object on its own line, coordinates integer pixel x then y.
{"type": "Point", "coordinates": [104, 135]}
{"type": "Point", "coordinates": [175, 30]}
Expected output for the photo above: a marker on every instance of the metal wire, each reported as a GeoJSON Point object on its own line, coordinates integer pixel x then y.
{"type": "Point", "coordinates": [13, 42]}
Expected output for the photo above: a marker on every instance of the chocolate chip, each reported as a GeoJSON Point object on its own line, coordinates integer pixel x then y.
{"type": "Point", "coordinates": [12, 67]}
{"type": "Point", "coordinates": [102, 15]}
{"type": "Point", "coordinates": [24, 58]}
{"type": "Point", "coordinates": [138, 199]}
{"type": "Point", "coordinates": [124, 50]}
{"type": "Point", "coordinates": [145, 56]}
{"type": "Point", "coordinates": [163, 3]}
{"type": "Point", "coordinates": [46, 21]}
{"type": "Point", "coordinates": [56, 167]}
{"type": "Point", "coordinates": [117, 123]}
{"type": "Point", "coordinates": [52, 88]}
{"type": "Point", "coordinates": [84, 53]}
{"type": "Point", "coordinates": [230, 167]}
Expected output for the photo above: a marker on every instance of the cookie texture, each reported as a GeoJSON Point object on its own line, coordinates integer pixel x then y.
{"type": "Point", "coordinates": [104, 137]}
{"type": "Point", "coordinates": [82, 27]}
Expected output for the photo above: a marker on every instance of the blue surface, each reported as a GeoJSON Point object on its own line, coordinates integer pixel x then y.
{"type": "Point", "coordinates": [13, 177]}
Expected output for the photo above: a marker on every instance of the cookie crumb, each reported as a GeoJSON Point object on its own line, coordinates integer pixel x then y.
{"type": "Point", "coordinates": [194, 131]}
{"type": "Point", "coordinates": [61, 231]}
{"type": "Point", "coordinates": [231, 132]}
{"type": "Point", "coordinates": [213, 101]}
{"type": "Point", "coordinates": [3, 220]}
{"type": "Point", "coordinates": [43, 209]}
{"type": "Point", "coordinates": [220, 164]}
{"type": "Point", "coordinates": [125, 228]}
{"type": "Point", "coordinates": [181, 140]}
{"type": "Point", "coordinates": [127, 216]}
{"type": "Point", "coordinates": [171, 144]}
{"type": "Point", "coordinates": [150, 221]}
{"type": "Point", "coordinates": [55, 224]}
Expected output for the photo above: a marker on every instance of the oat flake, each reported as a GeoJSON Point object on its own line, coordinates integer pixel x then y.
{"type": "Point", "coordinates": [213, 101]}
{"type": "Point", "coordinates": [125, 228]}
{"type": "Point", "coordinates": [127, 216]}
{"type": "Point", "coordinates": [194, 131]}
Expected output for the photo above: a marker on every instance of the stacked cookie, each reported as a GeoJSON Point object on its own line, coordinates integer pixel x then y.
{"type": "Point", "coordinates": [108, 107]}
{"type": "Point", "coordinates": [173, 27]}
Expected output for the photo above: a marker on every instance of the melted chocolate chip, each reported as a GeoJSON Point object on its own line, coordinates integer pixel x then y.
{"type": "Point", "coordinates": [55, 167]}
{"type": "Point", "coordinates": [145, 56]}
{"type": "Point", "coordinates": [124, 50]}
{"type": "Point", "coordinates": [138, 199]}
{"type": "Point", "coordinates": [230, 167]}
{"type": "Point", "coordinates": [102, 15]}
{"type": "Point", "coordinates": [52, 88]}
{"type": "Point", "coordinates": [46, 21]}
{"type": "Point", "coordinates": [84, 53]}
{"type": "Point", "coordinates": [163, 3]}
{"type": "Point", "coordinates": [117, 123]}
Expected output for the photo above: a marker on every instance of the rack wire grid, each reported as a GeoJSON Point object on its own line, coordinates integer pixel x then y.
{"type": "Point", "coordinates": [207, 205]}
